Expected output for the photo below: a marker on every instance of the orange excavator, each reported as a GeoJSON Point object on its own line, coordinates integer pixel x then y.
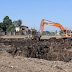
{"type": "Point", "coordinates": [65, 33]}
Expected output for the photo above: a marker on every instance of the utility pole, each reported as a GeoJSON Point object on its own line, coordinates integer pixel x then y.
{"type": "Point", "coordinates": [34, 26]}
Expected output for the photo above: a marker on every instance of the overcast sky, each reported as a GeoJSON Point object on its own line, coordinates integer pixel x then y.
{"type": "Point", "coordinates": [31, 12]}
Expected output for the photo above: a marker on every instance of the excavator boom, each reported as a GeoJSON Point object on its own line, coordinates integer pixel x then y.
{"type": "Point", "coordinates": [67, 33]}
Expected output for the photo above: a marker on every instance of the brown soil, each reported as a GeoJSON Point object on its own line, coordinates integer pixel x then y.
{"type": "Point", "coordinates": [8, 63]}
{"type": "Point", "coordinates": [52, 49]}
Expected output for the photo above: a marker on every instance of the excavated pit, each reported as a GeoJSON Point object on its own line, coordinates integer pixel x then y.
{"type": "Point", "coordinates": [52, 49]}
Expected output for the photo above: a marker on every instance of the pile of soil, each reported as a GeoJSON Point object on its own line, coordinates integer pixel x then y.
{"type": "Point", "coordinates": [52, 49]}
{"type": "Point", "coordinates": [8, 63]}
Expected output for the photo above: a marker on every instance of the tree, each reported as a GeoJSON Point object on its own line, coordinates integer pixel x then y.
{"type": "Point", "coordinates": [1, 27]}
{"type": "Point", "coordinates": [33, 29]}
{"type": "Point", "coordinates": [60, 32]}
{"type": "Point", "coordinates": [1, 24]}
{"type": "Point", "coordinates": [46, 33]}
{"type": "Point", "coordinates": [5, 18]}
{"type": "Point", "coordinates": [17, 23]}
{"type": "Point", "coordinates": [10, 28]}
{"type": "Point", "coordinates": [6, 23]}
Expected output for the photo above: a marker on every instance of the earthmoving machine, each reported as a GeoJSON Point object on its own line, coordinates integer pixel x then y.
{"type": "Point", "coordinates": [65, 33]}
{"type": "Point", "coordinates": [33, 34]}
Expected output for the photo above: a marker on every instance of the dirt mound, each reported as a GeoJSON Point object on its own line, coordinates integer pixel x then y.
{"type": "Point", "coordinates": [24, 64]}
{"type": "Point", "coordinates": [52, 49]}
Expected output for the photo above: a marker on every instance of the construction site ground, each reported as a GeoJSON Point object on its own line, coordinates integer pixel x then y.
{"type": "Point", "coordinates": [26, 55]}
{"type": "Point", "coordinates": [25, 36]}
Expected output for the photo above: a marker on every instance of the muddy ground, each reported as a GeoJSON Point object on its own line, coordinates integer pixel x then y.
{"type": "Point", "coordinates": [52, 49]}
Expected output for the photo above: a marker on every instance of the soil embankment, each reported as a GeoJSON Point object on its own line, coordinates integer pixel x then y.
{"type": "Point", "coordinates": [52, 49]}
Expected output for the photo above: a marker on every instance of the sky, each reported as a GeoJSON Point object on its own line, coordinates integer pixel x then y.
{"type": "Point", "coordinates": [31, 12]}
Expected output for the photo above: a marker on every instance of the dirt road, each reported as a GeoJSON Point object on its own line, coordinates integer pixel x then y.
{"type": "Point", "coordinates": [23, 36]}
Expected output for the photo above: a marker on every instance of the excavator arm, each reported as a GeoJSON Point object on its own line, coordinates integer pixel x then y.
{"type": "Point", "coordinates": [65, 33]}
{"type": "Point", "coordinates": [51, 24]}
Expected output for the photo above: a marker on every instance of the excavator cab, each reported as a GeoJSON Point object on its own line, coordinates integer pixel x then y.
{"type": "Point", "coordinates": [66, 33]}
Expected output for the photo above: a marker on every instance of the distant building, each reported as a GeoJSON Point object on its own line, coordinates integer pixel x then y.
{"type": "Point", "coordinates": [24, 29]}
{"type": "Point", "coordinates": [58, 33]}
{"type": "Point", "coordinates": [17, 29]}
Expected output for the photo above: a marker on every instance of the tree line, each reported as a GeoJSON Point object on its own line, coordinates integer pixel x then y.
{"type": "Point", "coordinates": [8, 26]}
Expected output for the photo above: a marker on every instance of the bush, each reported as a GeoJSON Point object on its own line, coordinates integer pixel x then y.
{"type": "Point", "coordinates": [10, 28]}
